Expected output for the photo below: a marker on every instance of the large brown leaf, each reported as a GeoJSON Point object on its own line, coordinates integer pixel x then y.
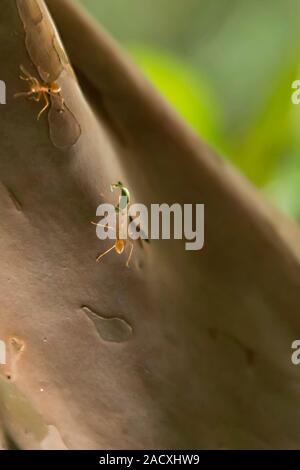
{"type": "Point", "coordinates": [183, 349]}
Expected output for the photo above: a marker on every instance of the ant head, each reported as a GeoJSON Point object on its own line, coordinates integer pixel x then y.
{"type": "Point", "coordinates": [35, 89]}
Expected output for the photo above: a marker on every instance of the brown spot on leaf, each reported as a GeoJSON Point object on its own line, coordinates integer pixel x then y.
{"type": "Point", "coordinates": [114, 329]}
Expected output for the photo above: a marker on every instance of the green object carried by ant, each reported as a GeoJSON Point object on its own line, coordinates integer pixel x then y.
{"type": "Point", "coordinates": [124, 199]}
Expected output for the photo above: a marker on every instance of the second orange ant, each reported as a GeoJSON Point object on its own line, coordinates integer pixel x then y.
{"type": "Point", "coordinates": [38, 90]}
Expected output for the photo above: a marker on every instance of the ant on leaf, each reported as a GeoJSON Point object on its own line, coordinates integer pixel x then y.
{"type": "Point", "coordinates": [120, 208]}
{"type": "Point", "coordinates": [38, 90]}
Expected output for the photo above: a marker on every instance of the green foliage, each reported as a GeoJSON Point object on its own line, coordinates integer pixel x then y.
{"type": "Point", "coordinates": [268, 136]}
{"type": "Point", "coordinates": [227, 68]}
{"type": "Point", "coordinates": [185, 90]}
{"type": "Point", "coordinates": [283, 189]}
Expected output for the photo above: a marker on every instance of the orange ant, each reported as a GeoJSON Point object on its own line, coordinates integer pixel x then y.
{"type": "Point", "coordinates": [119, 245]}
{"type": "Point", "coordinates": [38, 90]}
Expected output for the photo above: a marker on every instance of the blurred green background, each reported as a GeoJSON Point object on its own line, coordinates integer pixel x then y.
{"type": "Point", "coordinates": [227, 67]}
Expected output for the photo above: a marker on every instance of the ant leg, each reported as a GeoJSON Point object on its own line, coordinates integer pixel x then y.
{"type": "Point", "coordinates": [45, 107]}
{"type": "Point", "coordinates": [23, 93]}
{"type": "Point", "coordinates": [102, 225]}
{"type": "Point", "coordinates": [105, 253]}
{"type": "Point", "coordinates": [34, 81]}
{"type": "Point", "coordinates": [130, 254]}
{"type": "Point", "coordinates": [23, 70]}
{"type": "Point", "coordinates": [27, 79]}
{"type": "Point", "coordinates": [37, 97]}
{"type": "Point", "coordinates": [27, 74]}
